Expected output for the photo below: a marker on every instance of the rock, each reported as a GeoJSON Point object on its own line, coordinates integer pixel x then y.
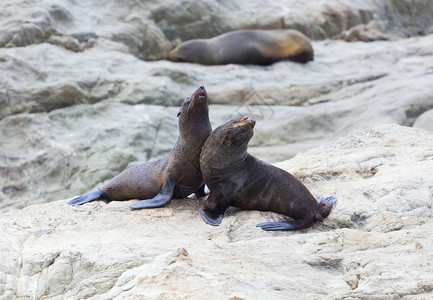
{"type": "Point", "coordinates": [376, 243]}
{"type": "Point", "coordinates": [425, 120]}
{"type": "Point", "coordinates": [47, 160]}
{"type": "Point", "coordinates": [48, 104]}
{"type": "Point", "coordinates": [365, 32]}
{"type": "Point", "coordinates": [149, 30]}
{"type": "Point", "coordinates": [85, 61]}
{"type": "Point", "coordinates": [317, 19]}
{"type": "Point", "coordinates": [81, 25]}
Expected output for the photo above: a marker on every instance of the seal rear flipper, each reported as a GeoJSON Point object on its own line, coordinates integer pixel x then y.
{"type": "Point", "coordinates": [326, 205]}
{"type": "Point", "coordinates": [211, 220]}
{"type": "Point", "coordinates": [95, 195]}
{"type": "Point", "coordinates": [164, 197]}
{"type": "Point", "coordinates": [288, 225]}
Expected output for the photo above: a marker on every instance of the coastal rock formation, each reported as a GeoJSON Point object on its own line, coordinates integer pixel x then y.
{"type": "Point", "coordinates": [425, 120]}
{"type": "Point", "coordinates": [69, 131]}
{"type": "Point", "coordinates": [84, 92]}
{"type": "Point", "coordinates": [376, 243]}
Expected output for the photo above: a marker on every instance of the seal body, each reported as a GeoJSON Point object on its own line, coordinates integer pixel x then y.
{"type": "Point", "coordinates": [175, 176]}
{"type": "Point", "coordinates": [237, 178]}
{"type": "Point", "coordinates": [260, 47]}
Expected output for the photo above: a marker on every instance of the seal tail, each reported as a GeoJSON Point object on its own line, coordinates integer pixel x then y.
{"type": "Point", "coordinates": [326, 205]}
{"type": "Point", "coordinates": [95, 195]}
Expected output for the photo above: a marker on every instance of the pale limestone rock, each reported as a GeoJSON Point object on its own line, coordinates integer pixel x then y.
{"type": "Point", "coordinates": [425, 120]}
{"type": "Point", "coordinates": [80, 131]}
{"type": "Point", "coordinates": [148, 29]}
{"type": "Point", "coordinates": [376, 243]}
{"type": "Point", "coordinates": [68, 69]}
{"type": "Point", "coordinates": [80, 101]}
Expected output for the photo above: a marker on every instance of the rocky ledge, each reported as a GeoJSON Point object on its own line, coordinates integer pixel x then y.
{"type": "Point", "coordinates": [375, 244]}
{"type": "Point", "coordinates": [84, 94]}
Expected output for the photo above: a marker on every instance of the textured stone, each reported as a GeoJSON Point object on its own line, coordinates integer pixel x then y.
{"type": "Point", "coordinates": [91, 63]}
{"type": "Point", "coordinates": [49, 104]}
{"type": "Point", "coordinates": [376, 243]}
{"type": "Point", "coordinates": [425, 120]}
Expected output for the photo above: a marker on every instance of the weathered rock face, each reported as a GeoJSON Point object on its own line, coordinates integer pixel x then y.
{"type": "Point", "coordinates": [80, 98]}
{"type": "Point", "coordinates": [147, 29]}
{"type": "Point", "coordinates": [114, 118]}
{"type": "Point", "coordinates": [376, 243]}
{"type": "Point", "coordinates": [425, 120]}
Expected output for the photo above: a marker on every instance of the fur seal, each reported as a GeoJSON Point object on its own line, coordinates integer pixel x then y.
{"type": "Point", "coordinates": [175, 176]}
{"type": "Point", "coordinates": [237, 178]}
{"type": "Point", "coordinates": [262, 47]}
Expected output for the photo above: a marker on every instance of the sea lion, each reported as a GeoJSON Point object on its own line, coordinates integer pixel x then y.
{"type": "Point", "coordinates": [237, 178]}
{"type": "Point", "coordinates": [262, 47]}
{"type": "Point", "coordinates": [175, 176]}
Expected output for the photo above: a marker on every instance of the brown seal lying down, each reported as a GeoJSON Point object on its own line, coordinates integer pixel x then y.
{"type": "Point", "coordinates": [261, 47]}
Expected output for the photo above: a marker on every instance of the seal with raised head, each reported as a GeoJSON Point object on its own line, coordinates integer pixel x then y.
{"type": "Point", "coordinates": [261, 47]}
{"type": "Point", "coordinates": [237, 178]}
{"type": "Point", "coordinates": [175, 176]}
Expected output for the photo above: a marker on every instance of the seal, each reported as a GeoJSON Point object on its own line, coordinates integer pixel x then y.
{"type": "Point", "coordinates": [237, 178]}
{"type": "Point", "coordinates": [262, 47]}
{"type": "Point", "coordinates": [175, 176]}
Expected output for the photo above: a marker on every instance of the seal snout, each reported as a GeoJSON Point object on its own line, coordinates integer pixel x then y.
{"type": "Point", "coordinates": [199, 98]}
{"type": "Point", "coordinates": [201, 93]}
{"type": "Point", "coordinates": [253, 122]}
{"type": "Point", "coordinates": [244, 123]}
{"type": "Point", "coordinates": [249, 122]}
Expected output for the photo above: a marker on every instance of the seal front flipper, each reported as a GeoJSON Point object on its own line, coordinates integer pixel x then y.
{"type": "Point", "coordinates": [95, 195]}
{"type": "Point", "coordinates": [288, 225]}
{"type": "Point", "coordinates": [214, 208]}
{"type": "Point", "coordinates": [211, 220]}
{"type": "Point", "coordinates": [159, 200]}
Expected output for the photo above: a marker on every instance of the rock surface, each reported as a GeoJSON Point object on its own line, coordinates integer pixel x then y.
{"type": "Point", "coordinates": [81, 96]}
{"type": "Point", "coordinates": [425, 120]}
{"type": "Point", "coordinates": [376, 243]}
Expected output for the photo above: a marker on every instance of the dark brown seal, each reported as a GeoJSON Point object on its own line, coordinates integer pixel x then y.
{"type": "Point", "coordinates": [175, 176]}
{"type": "Point", "coordinates": [260, 47]}
{"type": "Point", "coordinates": [237, 178]}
